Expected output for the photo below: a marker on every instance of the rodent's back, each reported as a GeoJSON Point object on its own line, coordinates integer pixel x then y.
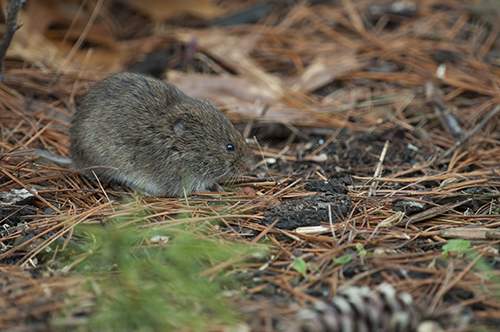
{"type": "Point", "coordinates": [147, 134]}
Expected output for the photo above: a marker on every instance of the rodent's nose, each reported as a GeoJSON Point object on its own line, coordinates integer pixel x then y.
{"type": "Point", "coordinates": [250, 166]}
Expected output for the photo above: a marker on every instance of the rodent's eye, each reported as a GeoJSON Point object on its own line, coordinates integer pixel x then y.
{"type": "Point", "coordinates": [230, 147]}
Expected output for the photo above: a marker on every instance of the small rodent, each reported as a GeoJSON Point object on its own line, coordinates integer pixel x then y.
{"type": "Point", "coordinates": [147, 134]}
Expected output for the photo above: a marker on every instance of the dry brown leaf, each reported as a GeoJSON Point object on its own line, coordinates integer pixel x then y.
{"type": "Point", "coordinates": [241, 96]}
{"type": "Point", "coordinates": [233, 51]}
{"type": "Point", "coordinates": [392, 220]}
{"type": "Point", "coordinates": [31, 45]}
{"type": "Point", "coordinates": [235, 93]}
{"type": "Point", "coordinates": [44, 13]}
{"type": "Point", "coordinates": [101, 58]}
{"type": "Point", "coordinates": [208, 86]}
{"type": "Point", "coordinates": [161, 9]}
{"type": "Point", "coordinates": [34, 43]}
{"type": "Point", "coordinates": [324, 69]}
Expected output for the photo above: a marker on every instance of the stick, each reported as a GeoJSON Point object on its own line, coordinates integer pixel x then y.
{"type": "Point", "coordinates": [10, 28]}
{"type": "Point", "coordinates": [472, 132]}
{"type": "Point", "coordinates": [378, 170]}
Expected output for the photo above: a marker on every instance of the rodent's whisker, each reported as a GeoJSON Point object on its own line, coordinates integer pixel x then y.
{"type": "Point", "coordinates": [222, 175]}
{"type": "Point", "coordinates": [231, 180]}
{"type": "Point", "coordinates": [213, 171]}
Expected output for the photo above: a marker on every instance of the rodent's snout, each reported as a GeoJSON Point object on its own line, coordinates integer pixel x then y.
{"type": "Point", "coordinates": [243, 161]}
{"type": "Point", "coordinates": [250, 165]}
{"type": "Point", "coordinates": [248, 160]}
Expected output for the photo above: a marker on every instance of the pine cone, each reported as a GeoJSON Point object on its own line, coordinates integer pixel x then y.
{"type": "Point", "coordinates": [359, 309]}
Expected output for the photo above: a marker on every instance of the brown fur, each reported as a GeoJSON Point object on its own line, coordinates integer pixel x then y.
{"type": "Point", "coordinates": [147, 134]}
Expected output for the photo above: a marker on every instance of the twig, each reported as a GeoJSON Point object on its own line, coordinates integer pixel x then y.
{"type": "Point", "coordinates": [378, 170]}
{"type": "Point", "coordinates": [452, 283]}
{"type": "Point", "coordinates": [435, 211]}
{"type": "Point", "coordinates": [472, 132]}
{"type": "Point", "coordinates": [103, 191]}
{"type": "Point", "coordinates": [330, 139]}
{"type": "Point", "coordinates": [265, 231]}
{"type": "Point", "coordinates": [10, 28]}
{"type": "Point", "coordinates": [443, 112]}
{"type": "Point", "coordinates": [83, 35]}
{"type": "Point", "coordinates": [34, 193]}
{"type": "Point", "coordinates": [330, 219]}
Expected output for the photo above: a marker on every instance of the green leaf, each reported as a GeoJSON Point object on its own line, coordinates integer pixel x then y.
{"type": "Point", "coordinates": [344, 259]}
{"type": "Point", "coordinates": [455, 245]}
{"type": "Point", "coordinates": [361, 251]}
{"type": "Point", "coordinates": [300, 266]}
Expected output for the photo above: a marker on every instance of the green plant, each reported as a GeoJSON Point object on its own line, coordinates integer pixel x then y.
{"type": "Point", "coordinates": [152, 279]}
{"type": "Point", "coordinates": [455, 245]}
{"type": "Point", "coordinates": [344, 259]}
{"type": "Point", "coordinates": [361, 251]}
{"type": "Point", "coordinates": [300, 266]}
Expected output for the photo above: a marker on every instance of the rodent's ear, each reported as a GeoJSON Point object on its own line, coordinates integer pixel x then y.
{"type": "Point", "coordinates": [179, 127]}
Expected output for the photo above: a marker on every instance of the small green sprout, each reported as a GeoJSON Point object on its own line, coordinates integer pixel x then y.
{"type": "Point", "coordinates": [362, 252]}
{"type": "Point", "coordinates": [455, 245]}
{"type": "Point", "coordinates": [300, 266]}
{"type": "Point", "coordinates": [344, 259]}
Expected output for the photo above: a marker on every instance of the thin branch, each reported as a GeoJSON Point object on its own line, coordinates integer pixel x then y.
{"type": "Point", "coordinates": [10, 28]}
{"type": "Point", "coordinates": [469, 135]}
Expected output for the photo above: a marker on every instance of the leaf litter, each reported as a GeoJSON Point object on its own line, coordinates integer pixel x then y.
{"type": "Point", "coordinates": [323, 88]}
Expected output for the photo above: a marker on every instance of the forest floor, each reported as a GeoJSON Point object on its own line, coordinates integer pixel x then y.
{"type": "Point", "coordinates": [378, 132]}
